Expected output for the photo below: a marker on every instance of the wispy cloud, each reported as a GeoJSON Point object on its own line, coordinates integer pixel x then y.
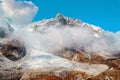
{"type": "Point", "coordinates": [79, 38]}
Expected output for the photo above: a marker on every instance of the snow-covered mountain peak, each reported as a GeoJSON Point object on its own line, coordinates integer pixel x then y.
{"type": "Point", "coordinates": [61, 21]}
{"type": "Point", "coordinates": [58, 21]}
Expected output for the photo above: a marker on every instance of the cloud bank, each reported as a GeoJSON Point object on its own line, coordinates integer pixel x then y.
{"type": "Point", "coordinates": [18, 13]}
{"type": "Point", "coordinates": [53, 40]}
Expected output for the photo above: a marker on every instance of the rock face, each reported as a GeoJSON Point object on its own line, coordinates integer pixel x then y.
{"type": "Point", "coordinates": [61, 19]}
{"type": "Point", "coordinates": [13, 50]}
{"type": "Point", "coordinates": [82, 57]}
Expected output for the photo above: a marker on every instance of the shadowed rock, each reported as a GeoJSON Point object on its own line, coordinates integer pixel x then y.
{"type": "Point", "coordinates": [2, 33]}
{"type": "Point", "coordinates": [61, 19]}
{"type": "Point", "coordinates": [13, 50]}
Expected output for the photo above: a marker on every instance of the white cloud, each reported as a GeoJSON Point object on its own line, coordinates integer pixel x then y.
{"type": "Point", "coordinates": [19, 13]}
{"type": "Point", "coordinates": [54, 39]}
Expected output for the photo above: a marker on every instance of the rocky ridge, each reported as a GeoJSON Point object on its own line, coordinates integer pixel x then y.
{"type": "Point", "coordinates": [61, 21]}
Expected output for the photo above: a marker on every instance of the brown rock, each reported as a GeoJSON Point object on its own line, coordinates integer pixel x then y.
{"type": "Point", "coordinates": [40, 75]}
{"type": "Point", "coordinates": [115, 63]}
{"type": "Point", "coordinates": [108, 75]}
{"type": "Point", "coordinates": [82, 57]}
{"type": "Point", "coordinates": [96, 59]}
{"type": "Point", "coordinates": [54, 75]}
{"type": "Point", "coordinates": [45, 77]}
{"type": "Point", "coordinates": [76, 76]}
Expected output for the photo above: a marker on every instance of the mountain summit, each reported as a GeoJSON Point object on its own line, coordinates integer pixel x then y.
{"type": "Point", "coordinates": [61, 21]}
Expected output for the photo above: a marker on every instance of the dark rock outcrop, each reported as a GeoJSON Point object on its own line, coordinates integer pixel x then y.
{"type": "Point", "coordinates": [2, 33]}
{"type": "Point", "coordinates": [13, 50]}
{"type": "Point", "coordinates": [61, 19]}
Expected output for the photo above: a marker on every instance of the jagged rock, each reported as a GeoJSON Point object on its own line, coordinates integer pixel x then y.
{"type": "Point", "coordinates": [72, 54]}
{"type": "Point", "coordinates": [13, 50]}
{"type": "Point", "coordinates": [61, 19]}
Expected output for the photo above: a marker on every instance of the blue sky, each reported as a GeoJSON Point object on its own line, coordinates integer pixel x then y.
{"type": "Point", "coordinates": [103, 13]}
